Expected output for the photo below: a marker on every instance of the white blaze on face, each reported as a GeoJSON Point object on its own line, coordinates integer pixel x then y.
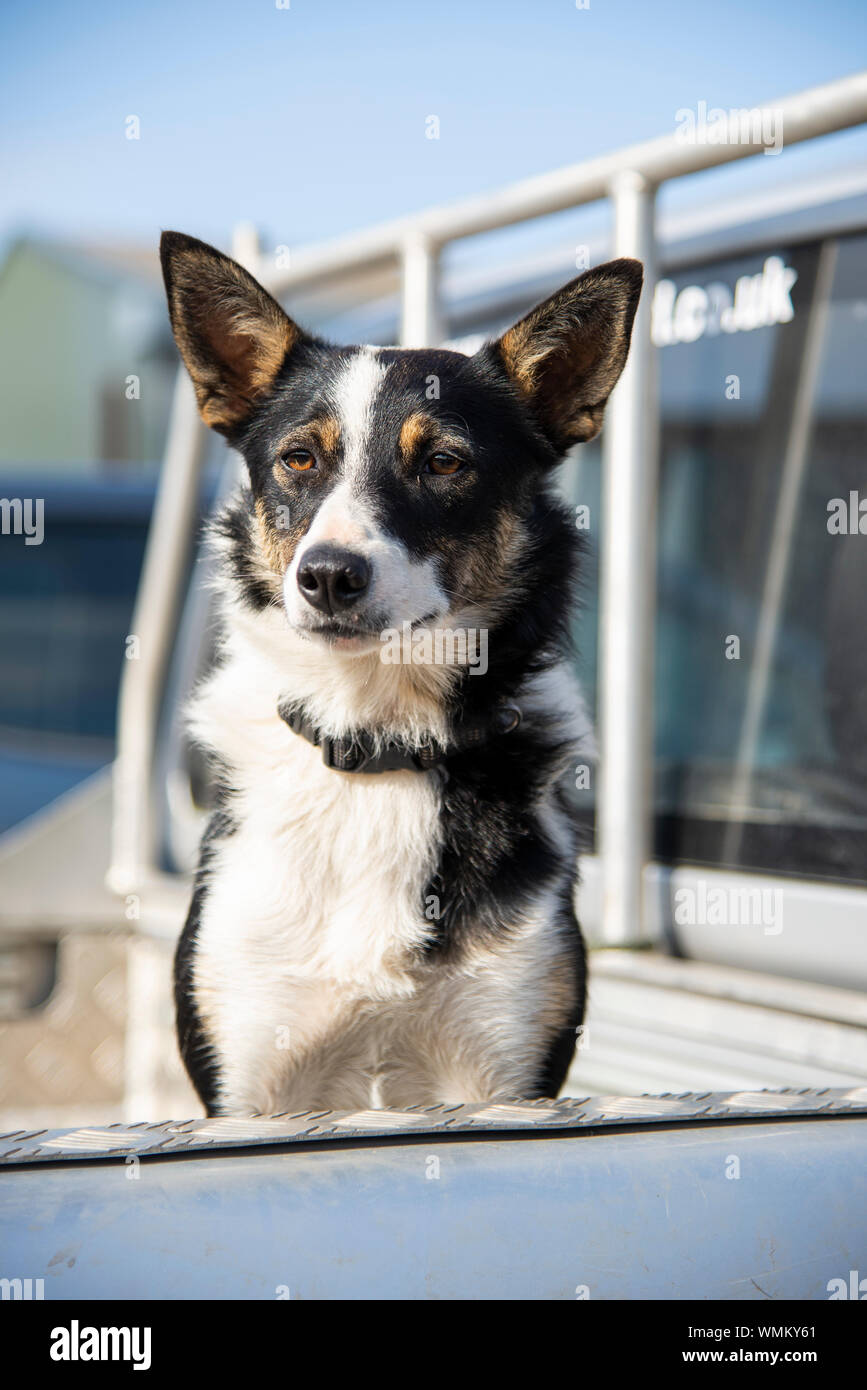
{"type": "Point", "coordinates": [355, 393]}
{"type": "Point", "coordinates": [402, 589]}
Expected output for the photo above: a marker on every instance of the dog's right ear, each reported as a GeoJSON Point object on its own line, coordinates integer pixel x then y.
{"type": "Point", "coordinates": [231, 334]}
{"type": "Point", "coordinates": [566, 355]}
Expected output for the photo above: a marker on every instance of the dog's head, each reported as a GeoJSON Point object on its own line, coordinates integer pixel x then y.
{"type": "Point", "coordinates": [393, 486]}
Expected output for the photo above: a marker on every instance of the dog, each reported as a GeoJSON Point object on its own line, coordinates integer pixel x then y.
{"type": "Point", "coordinates": [383, 912]}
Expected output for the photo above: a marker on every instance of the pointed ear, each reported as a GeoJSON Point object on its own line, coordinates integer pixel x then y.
{"type": "Point", "coordinates": [566, 355]}
{"type": "Point", "coordinates": [232, 336]}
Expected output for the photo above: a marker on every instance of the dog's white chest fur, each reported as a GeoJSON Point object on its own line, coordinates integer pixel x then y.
{"type": "Point", "coordinates": [333, 869]}
{"type": "Point", "coordinates": [309, 971]}
{"type": "Point", "coordinates": [315, 904]}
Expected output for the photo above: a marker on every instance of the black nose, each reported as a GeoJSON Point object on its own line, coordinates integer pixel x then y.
{"type": "Point", "coordinates": [333, 579]}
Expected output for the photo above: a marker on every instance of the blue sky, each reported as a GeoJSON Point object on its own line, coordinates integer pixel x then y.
{"type": "Point", "coordinates": [311, 120]}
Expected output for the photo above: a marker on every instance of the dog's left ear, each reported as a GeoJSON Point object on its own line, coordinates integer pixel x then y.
{"type": "Point", "coordinates": [565, 357]}
{"type": "Point", "coordinates": [233, 336]}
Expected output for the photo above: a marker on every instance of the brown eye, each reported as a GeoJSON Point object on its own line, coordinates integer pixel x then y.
{"type": "Point", "coordinates": [301, 460]}
{"type": "Point", "coordinates": [444, 464]}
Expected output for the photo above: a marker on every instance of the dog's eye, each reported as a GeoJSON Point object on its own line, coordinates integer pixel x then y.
{"type": "Point", "coordinates": [301, 460]}
{"type": "Point", "coordinates": [444, 464]}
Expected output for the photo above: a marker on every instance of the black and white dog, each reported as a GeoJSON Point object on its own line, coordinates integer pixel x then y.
{"type": "Point", "coordinates": [383, 913]}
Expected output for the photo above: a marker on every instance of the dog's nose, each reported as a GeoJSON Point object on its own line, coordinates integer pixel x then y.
{"type": "Point", "coordinates": [331, 579]}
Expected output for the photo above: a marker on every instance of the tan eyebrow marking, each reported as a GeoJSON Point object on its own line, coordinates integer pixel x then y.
{"type": "Point", "coordinates": [419, 429]}
{"type": "Point", "coordinates": [328, 429]}
{"type": "Point", "coordinates": [415, 431]}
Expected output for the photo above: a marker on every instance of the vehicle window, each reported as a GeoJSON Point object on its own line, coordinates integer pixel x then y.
{"type": "Point", "coordinates": [761, 671]}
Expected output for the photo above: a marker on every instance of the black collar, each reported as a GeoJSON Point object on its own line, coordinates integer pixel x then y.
{"type": "Point", "coordinates": [356, 752]}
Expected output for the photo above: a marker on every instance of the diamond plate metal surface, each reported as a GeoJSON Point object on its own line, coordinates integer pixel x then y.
{"type": "Point", "coordinates": [591, 1113]}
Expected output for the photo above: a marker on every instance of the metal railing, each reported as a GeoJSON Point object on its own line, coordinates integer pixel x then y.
{"type": "Point", "coordinates": [630, 179]}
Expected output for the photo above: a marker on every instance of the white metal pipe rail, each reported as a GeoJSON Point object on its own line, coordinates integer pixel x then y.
{"type": "Point", "coordinates": [630, 177]}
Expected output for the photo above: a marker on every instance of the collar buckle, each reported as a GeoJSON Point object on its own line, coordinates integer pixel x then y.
{"type": "Point", "coordinates": [345, 754]}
